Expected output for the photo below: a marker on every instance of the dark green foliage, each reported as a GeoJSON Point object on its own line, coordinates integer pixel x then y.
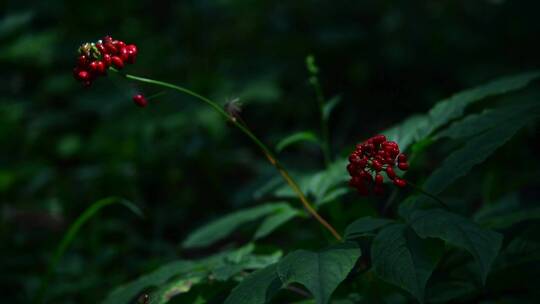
{"type": "Point", "coordinates": [455, 83]}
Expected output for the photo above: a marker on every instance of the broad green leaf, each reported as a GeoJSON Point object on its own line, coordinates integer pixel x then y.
{"type": "Point", "coordinates": [225, 225]}
{"type": "Point", "coordinates": [274, 221]}
{"type": "Point", "coordinates": [421, 126]}
{"type": "Point", "coordinates": [475, 124]}
{"type": "Point", "coordinates": [401, 258]}
{"type": "Point", "coordinates": [444, 292]}
{"type": "Point", "coordinates": [296, 138]}
{"type": "Point", "coordinates": [257, 288]}
{"type": "Point", "coordinates": [178, 276]}
{"type": "Point", "coordinates": [475, 151]}
{"type": "Point", "coordinates": [320, 272]}
{"type": "Point", "coordinates": [365, 226]}
{"type": "Point", "coordinates": [329, 106]}
{"type": "Point", "coordinates": [482, 244]}
{"type": "Point", "coordinates": [508, 220]}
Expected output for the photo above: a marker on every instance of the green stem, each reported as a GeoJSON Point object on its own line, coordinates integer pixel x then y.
{"type": "Point", "coordinates": [314, 80]}
{"type": "Point", "coordinates": [273, 160]}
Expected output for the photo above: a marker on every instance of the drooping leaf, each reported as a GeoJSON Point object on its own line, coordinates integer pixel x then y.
{"type": "Point", "coordinates": [320, 272]}
{"type": "Point", "coordinates": [222, 227]}
{"type": "Point", "coordinates": [274, 221]}
{"type": "Point", "coordinates": [475, 124]}
{"type": "Point", "coordinates": [178, 276]}
{"type": "Point", "coordinates": [401, 258]}
{"type": "Point", "coordinates": [329, 106]}
{"type": "Point", "coordinates": [507, 220]}
{"type": "Point", "coordinates": [419, 127]}
{"type": "Point", "coordinates": [257, 288]}
{"type": "Point", "coordinates": [482, 244]}
{"type": "Point", "coordinates": [72, 232]}
{"type": "Point", "coordinates": [297, 137]}
{"type": "Point", "coordinates": [366, 226]}
{"type": "Point", "coordinates": [475, 151]}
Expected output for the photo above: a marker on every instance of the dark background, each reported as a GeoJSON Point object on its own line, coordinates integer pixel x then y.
{"type": "Point", "coordinates": [63, 146]}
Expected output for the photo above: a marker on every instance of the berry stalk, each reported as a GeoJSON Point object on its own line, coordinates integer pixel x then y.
{"type": "Point", "coordinates": [273, 160]}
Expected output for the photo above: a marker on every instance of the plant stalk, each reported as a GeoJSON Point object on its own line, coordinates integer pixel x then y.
{"type": "Point", "coordinates": [266, 151]}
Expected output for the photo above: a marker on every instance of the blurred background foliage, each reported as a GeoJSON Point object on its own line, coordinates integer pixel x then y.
{"type": "Point", "coordinates": [64, 147]}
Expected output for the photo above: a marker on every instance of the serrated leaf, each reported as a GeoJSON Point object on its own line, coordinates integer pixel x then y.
{"type": "Point", "coordinates": [297, 138]}
{"type": "Point", "coordinates": [257, 288]}
{"type": "Point", "coordinates": [401, 258]}
{"type": "Point", "coordinates": [329, 106]}
{"type": "Point", "coordinates": [222, 227]}
{"type": "Point", "coordinates": [482, 244]}
{"type": "Point", "coordinates": [420, 126]}
{"type": "Point", "coordinates": [274, 221]}
{"type": "Point", "coordinates": [320, 272]}
{"type": "Point", "coordinates": [365, 226]}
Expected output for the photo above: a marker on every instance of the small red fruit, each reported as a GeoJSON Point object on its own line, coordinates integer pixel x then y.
{"type": "Point", "coordinates": [390, 172]}
{"type": "Point", "coordinates": [117, 62]}
{"type": "Point", "coordinates": [400, 182]}
{"type": "Point", "coordinates": [403, 166]}
{"type": "Point", "coordinates": [378, 179]}
{"type": "Point", "coordinates": [107, 60]}
{"type": "Point", "coordinates": [140, 100]}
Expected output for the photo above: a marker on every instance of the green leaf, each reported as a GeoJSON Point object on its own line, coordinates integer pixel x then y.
{"type": "Point", "coordinates": [177, 277]}
{"type": "Point", "coordinates": [365, 226]}
{"type": "Point", "coordinates": [257, 288]}
{"type": "Point", "coordinates": [14, 22]}
{"type": "Point", "coordinates": [329, 106]}
{"type": "Point", "coordinates": [475, 151]}
{"type": "Point", "coordinates": [72, 232]}
{"type": "Point", "coordinates": [401, 258]}
{"type": "Point", "coordinates": [320, 272]}
{"type": "Point", "coordinates": [482, 244]}
{"type": "Point", "coordinates": [221, 228]}
{"type": "Point", "coordinates": [296, 138]}
{"type": "Point", "coordinates": [508, 220]}
{"type": "Point", "coordinates": [475, 124]}
{"type": "Point", "coordinates": [421, 126]}
{"type": "Point", "coordinates": [274, 221]}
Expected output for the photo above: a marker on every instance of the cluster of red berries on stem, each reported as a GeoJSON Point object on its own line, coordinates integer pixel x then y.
{"type": "Point", "coordinates": [372, 157]}
{"type": "Point", "coordinates": [95, 58]}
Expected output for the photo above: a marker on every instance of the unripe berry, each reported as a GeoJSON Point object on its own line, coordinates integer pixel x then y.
{"type": "Point", "coordinates": [117, 62]}
{"type": "Point", "coordinates": [140, 100]}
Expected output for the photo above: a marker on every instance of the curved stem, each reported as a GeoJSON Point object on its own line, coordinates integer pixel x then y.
{"type": "Point", "coordinates": [434, 197]}
{"type": "Point", "coordinates": [273, 160]}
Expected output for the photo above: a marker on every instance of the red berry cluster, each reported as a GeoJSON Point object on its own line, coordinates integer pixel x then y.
{"type": "Point", "coordinates": [95, 58]}
{"type": "Point", "coordinates": [370, 158]}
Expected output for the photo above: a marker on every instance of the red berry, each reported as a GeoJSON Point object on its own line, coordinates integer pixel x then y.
{"type": "Point", "coordinates": [403, 166]}
{"type": "Point", "coordinates": [107, 60]}
{"type": "Point", "coordinates": [117, 62]}
{"type": "Point", "coordinates": [351, 169]}
{"type": "Point", "coordinates": [376, 165]}
{"type": "Point", "coordinates": [101, 49]}
{"type": "Point", "coordinates": [379, 139]}
{"type": "Point", "coordinates": [93, 66]}
{"type": "Point", "coordinates": [123, 53]}
{"type": "Point", "coordinates": [111, 49]}
{"type": "Point", "coordinates": [390, 172]}
{"type": "Point", "coordinates": [82, 61]}
{"type": "Point", "coordinates": [101, 67]}
{"type": "Point", "coordinates": [402, 158]}
{"type": "Point", "coordinates": [140, 100]}
{"type": "Point", "coordinates": [400, 182]}
{"type": "Point", "coordinates": [378, 179]}
{"type": "Point", "coordinates": [119, 43]}
{"type": "Point", "coordinates": [83, 75]}
{"type": "Point", "coordinates": [107, 39]}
